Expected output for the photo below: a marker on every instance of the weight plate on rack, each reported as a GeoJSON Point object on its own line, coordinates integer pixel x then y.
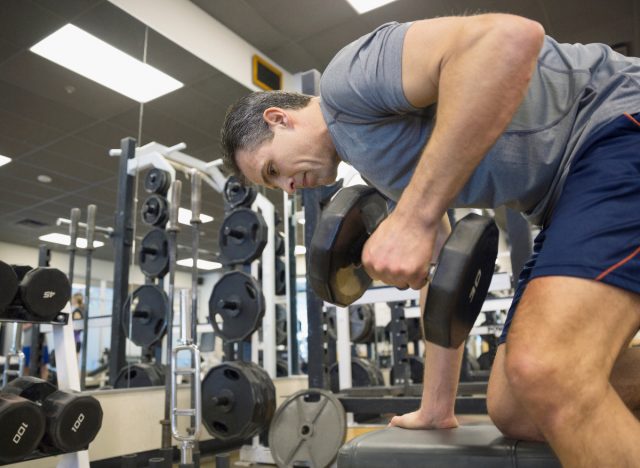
{"type": "Point", "coordinates": [238, 400]}
{"type": "Point", "coordinates": [144, 315]}
{"type": "Point", "coordinates": [308, 430]}
{"type": "Point", "coordinates": [242, 237]}
{"type": "Point", "coordinates": [157, 181]}
{"type": "Point", "coordinates": [237, 194]}
{"type": "Point", "coordinates": [236, 301]}
{"type": "Point", "coordinates": [155, 210]}
{"type": "Point", "coordinates": [154, 254]}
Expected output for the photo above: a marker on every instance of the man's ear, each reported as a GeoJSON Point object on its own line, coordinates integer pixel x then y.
{"type": "Point", "coordinates": [274, 116]}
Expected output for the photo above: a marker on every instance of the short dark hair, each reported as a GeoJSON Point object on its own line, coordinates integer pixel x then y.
{"type": "Point", "coordinates": [244, 127]}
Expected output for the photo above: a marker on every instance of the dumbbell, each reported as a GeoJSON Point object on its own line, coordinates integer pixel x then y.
{"type": "Point", "coordinates": [72, 419]}
{"type": "Point", "coordinates": [42, 291]}
{"type": "Point", "coordinates": [22, 424]}
{"type": "Point", "coordinates": [458, 285]}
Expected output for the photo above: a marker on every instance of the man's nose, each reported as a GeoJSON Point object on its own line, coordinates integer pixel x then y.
{"type": "Point", "coordinates": [288, 184]}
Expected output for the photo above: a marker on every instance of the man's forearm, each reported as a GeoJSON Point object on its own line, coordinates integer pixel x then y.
{"type": "Point", "coordinates": [441, 377]}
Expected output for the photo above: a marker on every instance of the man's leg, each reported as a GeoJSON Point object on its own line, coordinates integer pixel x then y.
{"type": "Point", "coordinates": [511, 418]}
{"type": "Point", "coordinates": [560, 352]}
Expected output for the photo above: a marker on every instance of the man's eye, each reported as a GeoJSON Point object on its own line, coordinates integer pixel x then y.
{"type": "Point", "coordinates": [271, 171]}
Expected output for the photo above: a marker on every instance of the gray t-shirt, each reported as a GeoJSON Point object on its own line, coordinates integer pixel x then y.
{"type": "Point", "coordinates": [574, 91]}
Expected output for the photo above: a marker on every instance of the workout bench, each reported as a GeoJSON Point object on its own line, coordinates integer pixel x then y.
{"type": "Point", "coordinates": [476, 445]}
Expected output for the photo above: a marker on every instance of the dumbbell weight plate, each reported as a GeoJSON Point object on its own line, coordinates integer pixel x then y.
{"type": "Point", "coordinates": [242, 236]}
{"type": "Point", "coordinates": [363, 374]}
{"type": "Point", "coordinates": [44, 292]}
{"type": "Point", "coordinates": [157, 181]}
{"type": "Point", "coordinates": [22, 425]}
{"type": "Point", "coordinates": [73, 420]}
{"type": "Point", "coordinates": [337, 274]}
{"type": "Point", "coordinates": [237, 194]}
{"type": "Point", "coordinates": [145, 313]}
{"type": "Point", "coordinates": [154, 254]}
{"type": "Point", "coordinates": [155, 210]}
{"type": "Point", "coordinates": [237, 301]}
{"type": "Point", "coordinates": [461, 281]}
{"type": "Point", "coordinates": [9, 285]}
{"type": "Point", "coordinates": [308, 430]}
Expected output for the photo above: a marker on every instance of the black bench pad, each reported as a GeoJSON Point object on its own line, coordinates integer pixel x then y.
{"type": "Point", "coordinates": [475, 446]}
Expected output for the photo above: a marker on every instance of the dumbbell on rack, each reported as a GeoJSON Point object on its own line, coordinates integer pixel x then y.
{"type": "Point", "coordinates": [22, 425]}
{"type": "Point", "coordinates": [72, 420]}
{"type": "Point", "coordinates": [32, 294]}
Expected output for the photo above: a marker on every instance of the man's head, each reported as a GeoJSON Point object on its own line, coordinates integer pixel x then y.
{"type": "Point", "coordinates": [278, 139]}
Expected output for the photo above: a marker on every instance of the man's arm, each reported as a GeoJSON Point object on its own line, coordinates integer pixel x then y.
{"type": "Point", "coordinates": [441, 373]}
{"type": "Point", "coordinates": [477, 69]}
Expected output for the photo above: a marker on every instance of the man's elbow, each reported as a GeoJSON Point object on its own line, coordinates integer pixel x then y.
{"type": "Point", "coordinates": [524, 36]}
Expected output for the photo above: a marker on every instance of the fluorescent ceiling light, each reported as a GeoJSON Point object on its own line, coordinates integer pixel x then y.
{"type": "Point", "coordinates": [362, 6]}
{"type": "Point", "coordinates": [300, 250]}
{"type": "Point", "coordinates": [184, 216]}
{"type": "Point", "coordinates": [64, 239]}
{"type": "Point", "coordinates": [93, 58]}
{"type": "Point", "coordinates": [4, 160]}
{"type": "Point", "coordinates": [202, 264]}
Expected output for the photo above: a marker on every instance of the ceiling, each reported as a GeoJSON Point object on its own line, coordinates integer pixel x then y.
{"type": "Point", "coordinates": [56, 123]}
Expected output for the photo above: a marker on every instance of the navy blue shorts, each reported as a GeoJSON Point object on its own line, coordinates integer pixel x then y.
{"type": "Point", "coordinates": [594, 231]}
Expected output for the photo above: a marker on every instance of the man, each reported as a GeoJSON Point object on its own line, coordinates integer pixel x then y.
{"type": "Point", "coordinates": [550, 130]}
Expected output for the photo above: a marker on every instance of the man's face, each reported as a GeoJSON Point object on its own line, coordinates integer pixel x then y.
{"type": "Point", "coordinates": [293, 159]}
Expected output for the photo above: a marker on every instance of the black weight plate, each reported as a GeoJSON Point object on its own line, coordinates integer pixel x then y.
{"type": "Point", "coordinates": [416, 369]}
{"type": "Point", "coordinates": [9, 285]}
{"type": "Point", "coordinates": [308, 430]}
{"type": "Point", "coordinates": [157, 181]}
{"type": "Point", "coordinates": [73, 420]}
{"type": "Point", "coordinates": [238, 302]}
{"type": "Point", "coordinates": [461, 281]}
{"type": "Point", "coordinates": [362, 375]}
{"type": "Point", "coordinates": [140, 375]}
{"type": "Point", "coordinates": [237, 194]}
{"type": "Point", "coordinates": [336, 272]}
{"type": "Point", "coordinates": [154, 254]}
{"type": "Point", "coordinates": [281, 277]}
{"type": "Point", "coordinates": [22, 425]}
{"type": "Point", "coordinates": [155, 210]}
{"type": "Point", "coordinates": [144, 315]}
{"type": "Point", "coordinates": [361, 323]}
{"type": "Point", "coordinates": [279, 242]}
{"type": "Point", "coordinates": [242, 236]}
{"type": "Point", "coordinates": [238, 400]}
{"type": "Point", "coordinates": [44, 292]}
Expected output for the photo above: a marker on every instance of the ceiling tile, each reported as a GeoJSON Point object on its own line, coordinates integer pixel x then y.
{"type": "Point", "coordinates": [176, 61]}
{"type": "Point", "coordinates": [304, 18]}
{"type": "Point", "coordinates": [115, 27]}
{"type": "Point", "coordinates": [295, 58]}
{"type": "Point", "coordinates": [57, 164]}
{"type": "Point", "coordinates": [163, 129]}
{"type": "Point", "coordinates": [67, 8]}
{"type": "Point", "coordinates": [241, 18]}
{"type": "Point", "coordinates": [24, 23]}
{"type": "Point", "coordinates": [52, 81]}
{"type": "Point", "coordinates": [85, 152]}
{"type": "Point", "coordinates": [26, 130]}
{"type": "Point", "coordinates": [190, 107]}
{"type": "Point", "coordinates": [38, 108]}
{"type": "Point", "coordinates": [221, 89]}
{"type": "Point", "coordinates": [324, 45]}
{"type": "Point", "coordinates": [7, 50]}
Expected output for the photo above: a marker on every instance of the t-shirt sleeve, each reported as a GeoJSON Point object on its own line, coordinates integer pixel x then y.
{"type": "Point", "coordinates": [364, 79]}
